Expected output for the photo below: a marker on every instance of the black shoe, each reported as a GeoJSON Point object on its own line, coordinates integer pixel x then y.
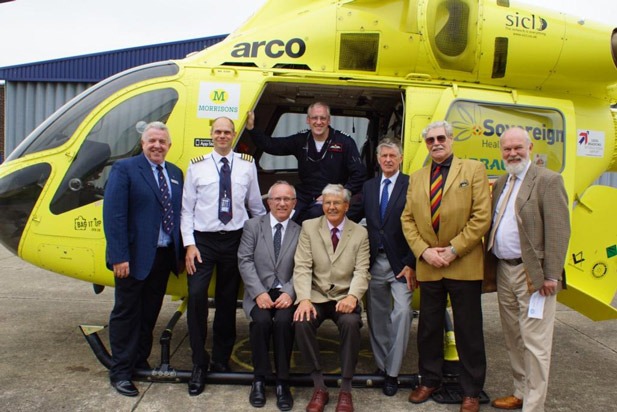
{"type": "Point", "coordinates": [284, 400]}
{"type": "Point", "coordinates": [379, 372]}
{"type": "Point", "coordinates": [390, 386]}
{"type": "Point", "coordinates": [125, 388]}
{"type": "Point", "coordinates": [219, 367]}
{"type": "Point", "coordinates": [257, 398]}
{"type": "Point", "coordinates": [198, 381]}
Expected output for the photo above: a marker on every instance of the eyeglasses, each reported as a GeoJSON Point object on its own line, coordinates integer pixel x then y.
{"type": "Point", "coordinates": [431, 140]}
{"type": "Point", "coordinates": [318, 118]}
{"type": "Point", "coordinates": [282, 199]}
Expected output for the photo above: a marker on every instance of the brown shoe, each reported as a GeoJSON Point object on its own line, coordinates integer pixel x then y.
{"type": "Point", "coordinates": [319, 399]}
{"type": "Point", "coordinates": [508, 402]}
{"type": "Point", "coordinates": [421, 394]}
{"type": "Point", "coordinates": [470, 404]}
{"type": "Point", "coordinates": [344, 403]}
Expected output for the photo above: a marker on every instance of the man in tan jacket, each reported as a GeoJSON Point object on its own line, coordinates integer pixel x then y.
{"type": "Point", "coordinates": [330, 278]}
{"type": "Point", "coordinates": [529, 241]}
{"type": "Point", "coordinates": [446, 215]}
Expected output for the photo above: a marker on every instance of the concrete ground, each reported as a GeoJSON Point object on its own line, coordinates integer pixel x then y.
{"type": "Point", "coordinates": [46, 364]}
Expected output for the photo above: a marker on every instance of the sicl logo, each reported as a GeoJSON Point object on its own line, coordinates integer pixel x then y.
{"type": "Point", "coordinates": [218, 96]}
{"type": "Point", "coordinates": [531, 22]}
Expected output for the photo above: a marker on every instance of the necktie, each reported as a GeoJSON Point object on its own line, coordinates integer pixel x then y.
{"type": "Point", "coordinates": [502, 209]}
{"type": "Point", "coordinates": [334, 238]}
{"type": "Point", "coordinates": [384, 199]}
{"type": "Point", "coordinates": [277, 240]}
{"type": "Point", "coordinates": [436, 192]}
{"type": "Point", "coordinates": [225, 212]}
{"type": "Point", "coordinates": [168, 212]}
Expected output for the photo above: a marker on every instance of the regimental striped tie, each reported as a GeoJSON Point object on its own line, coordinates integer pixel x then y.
{"type": "Point", "coordinates": [168, 212]}
{"type": "Point", "coordinates": [436, 192]}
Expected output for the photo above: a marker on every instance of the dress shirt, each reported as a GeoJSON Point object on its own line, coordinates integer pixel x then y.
{"type": "Point", "coordinates": [507, 241]}
{"type": "Point", "coordinates": [200, 198]}
{"type": "Point", "coordinates": [164, 239]}
{"type": "Point", "coordinates": [273, 223]}
{"type": "Point", "coordinates": [339, 227]}
{"type": "Point", "coordinates": [390, 187]}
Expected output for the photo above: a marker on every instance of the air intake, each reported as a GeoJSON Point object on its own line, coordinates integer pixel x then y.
{"type": "Point", "coordinates": [359, 51]}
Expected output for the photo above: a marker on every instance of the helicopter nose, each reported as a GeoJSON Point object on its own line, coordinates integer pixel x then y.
{"type": "Point", "coordinates": [19, 191]}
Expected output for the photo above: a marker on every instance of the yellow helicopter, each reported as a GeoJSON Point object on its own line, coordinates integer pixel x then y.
{"type": "Point", "coordinates": [385, 67]}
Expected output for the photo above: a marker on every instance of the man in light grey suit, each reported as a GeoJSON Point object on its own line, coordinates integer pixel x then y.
{"type": "Point", "coordinates": [330, 278]}
{"type": "Point", "coordinates": [266, 262]}
{"type": "Point", "coordinates": [529, 241]}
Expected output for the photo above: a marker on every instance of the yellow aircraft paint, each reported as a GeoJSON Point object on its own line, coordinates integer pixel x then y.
{"type": "Point", "coordinates": [396, 64]}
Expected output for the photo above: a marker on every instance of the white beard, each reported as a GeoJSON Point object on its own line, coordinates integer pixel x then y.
{"type": "Point", "coordinates": [516, 168]}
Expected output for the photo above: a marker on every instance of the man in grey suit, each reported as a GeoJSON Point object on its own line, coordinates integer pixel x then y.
{"type": "Point", "coordinates": [393, 277]}
{"type": "Point", "coordinates": [330, 278]}
{"type": "Point", "coordinates": [266, 262]}
{"type": "Point", "coordinates": [529, 241]}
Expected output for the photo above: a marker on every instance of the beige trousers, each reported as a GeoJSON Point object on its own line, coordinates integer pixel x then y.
{"type": "Point", "coordinates": [528, 340]}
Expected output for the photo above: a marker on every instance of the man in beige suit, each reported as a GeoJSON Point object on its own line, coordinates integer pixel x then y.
{"type": "Point", "coordinates": [446, 215]}
{"type": "Point", "coordinates": [529, 239]}
{"type": "Point", "coordinates": [330, 277]}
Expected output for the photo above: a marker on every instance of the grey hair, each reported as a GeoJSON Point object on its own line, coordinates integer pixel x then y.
{"type": "Point", "coordinates": [337, 190]}
{"type": "Point", "coordinates": [441, 123]}
{"type": "Point", "coordinates": [308, 111]}
{"type": "Point", "coordinates": [158, 126]}
{"type": "Point", "coordinates": [390, 142]}
{"type": "Point", "coordinates": [281, 182]}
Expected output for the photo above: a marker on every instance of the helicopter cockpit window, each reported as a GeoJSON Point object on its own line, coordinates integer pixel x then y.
{"type": "Point", "coordinates": [478, 125]}
{"type": "Point", "coordinates": [115, 136]}
{"type": "Point", "coordinates": [60, 126]}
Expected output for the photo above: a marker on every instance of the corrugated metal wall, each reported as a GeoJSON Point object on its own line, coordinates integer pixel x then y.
{"type": "Point", "coordinates": [30, 103]}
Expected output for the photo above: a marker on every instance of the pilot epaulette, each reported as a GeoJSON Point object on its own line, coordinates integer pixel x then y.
{"type": "Point", "coordinates": [198, 159]}
{"type": "Point", "coordinates": [247, 157]}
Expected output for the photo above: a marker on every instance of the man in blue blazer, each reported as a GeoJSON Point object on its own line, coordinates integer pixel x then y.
{"type": "Point", "coordinates": [141, 218]}
{"type": "Point", "coordinates": [392, 264]}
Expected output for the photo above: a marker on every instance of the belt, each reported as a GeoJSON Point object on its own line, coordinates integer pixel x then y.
{"type": "Point", "coordinates": [513, 262]}
{"type": "Point", "coordinates": [219, 232]}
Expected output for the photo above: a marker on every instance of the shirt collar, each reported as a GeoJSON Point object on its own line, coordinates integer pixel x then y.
{"type": "Point", "coordinates": [154, 165]}
{"type": "Point", "coordinates": [391, 178]}
{"type": "Point", "coordinates": [445, 163]}
{"type": "Point", "coordinates": [339, 227]}
{"type": "Point", "coordinates": [273, 222]}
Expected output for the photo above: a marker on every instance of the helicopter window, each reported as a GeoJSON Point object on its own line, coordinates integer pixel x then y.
{"type": "Point", "coordinates": [60, 126]}
{"type": "Point", "coordinates": [115, 136]}
{"type": "Point", "coordinates": [19, 192]}
{"type": "Point", "coordinates": [478, 125]}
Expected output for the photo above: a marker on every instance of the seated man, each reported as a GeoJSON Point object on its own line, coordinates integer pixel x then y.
{"type": "Point", "coordinates": [330, 277]}
{"type": "Point", "coordinates": [266, 262]}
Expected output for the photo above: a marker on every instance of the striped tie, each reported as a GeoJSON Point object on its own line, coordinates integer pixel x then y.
{"type": "Point", "coordinates": [436, 192]}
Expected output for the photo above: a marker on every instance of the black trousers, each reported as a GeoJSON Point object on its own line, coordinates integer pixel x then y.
{"type": "Point", "coordinates": [220, 250]}
{"type": "Point", "coordinates": [132, 320]}
{"type": "Point", "coordinates": [275, 323]}
{"type": "Point", "coordinates": [348, 324]}
{"type": "Point", "coordinates": [465, 298]}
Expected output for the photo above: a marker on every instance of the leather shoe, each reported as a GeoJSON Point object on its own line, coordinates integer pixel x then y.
{"type": "Point", "coordinates": [318, 401]}
{"type": "Point", "coordinates": [470, 404]}
{"type": "Point", "coordinates": [421, 394]}
{"type": "Point", "coordinates": [198, 381]}
{"type": "Point", "coordinates": [344, 403]}
{"type": "Point", "coordinates": [257, 397]}
{"type": "Point", "coordinates": [219, 367]}
{"type": "Point", "coordinates": [284, 400]}
{"type": "Point", "coordinates": [125, 388]}
{"type": "Point", "coordinates": [508, 402]}
{"type": "Point", "coordinates": [390, 385]}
